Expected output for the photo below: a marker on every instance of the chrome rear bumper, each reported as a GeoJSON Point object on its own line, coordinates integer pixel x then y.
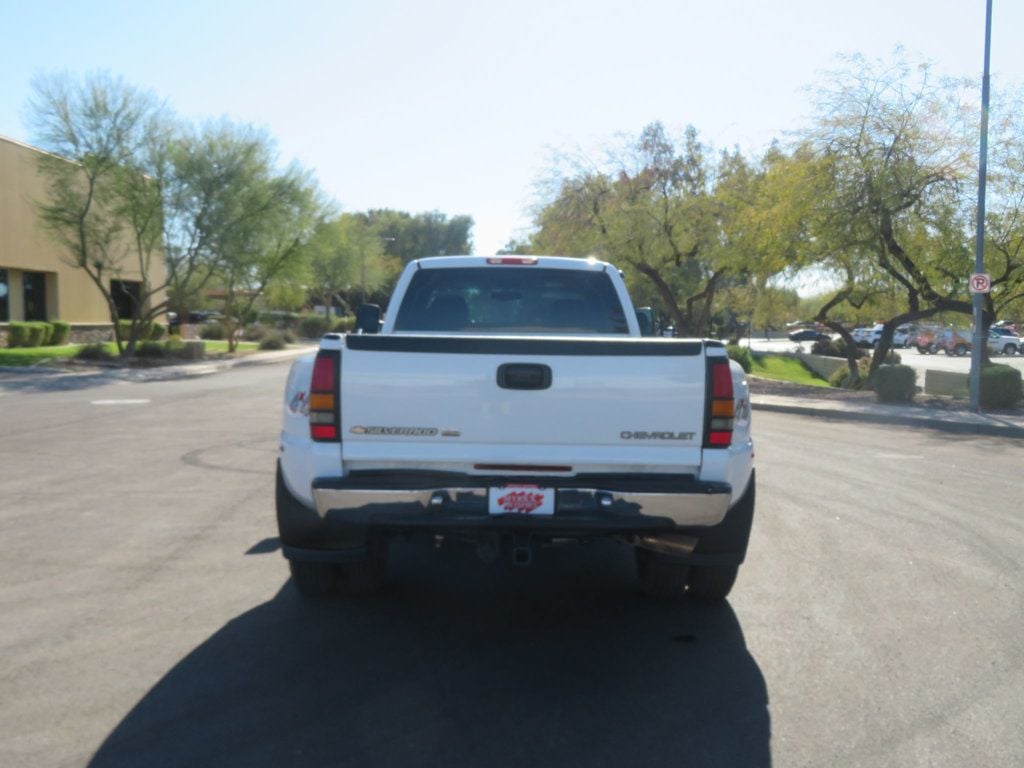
{"type": "Point", "coordinates": [423, 500]}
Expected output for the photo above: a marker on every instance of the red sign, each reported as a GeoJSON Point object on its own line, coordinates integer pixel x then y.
{"type": "Point", "coordinates": [523, 502]}
{"type": "Point", "coordinates": [980, 283]}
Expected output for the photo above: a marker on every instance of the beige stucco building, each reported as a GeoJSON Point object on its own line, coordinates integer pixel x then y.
{"type": "Point", "coordinates": [36, 280]}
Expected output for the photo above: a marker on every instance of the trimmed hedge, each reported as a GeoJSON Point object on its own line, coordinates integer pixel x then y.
{"type": "Point", "coordinates": [94, 352]}
{"type": "Point", "coordinates": [741, 355]}
{"type": "Point", "coordinates": [17, 334]}
{"type": "Point", "coordinates": [344, 324]}
{"type": "Point", "coordinates": [1000, 386]}
{"type": "Point", "coordinates": [895, 383]}
{"type": "Point", "coordinates": [212, 332]}
{"type": "Point", "coordinates": [313, 326]}
{"type": "Point", "coordinates": [272, 341]}
{"type": "Point", "coordinates": [38, 334]}
{"type": "Point", "coordinates": [61, 333]}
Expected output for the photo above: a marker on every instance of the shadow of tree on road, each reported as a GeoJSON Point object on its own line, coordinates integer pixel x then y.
{"type": "Point", "coordinates": [563, 663]}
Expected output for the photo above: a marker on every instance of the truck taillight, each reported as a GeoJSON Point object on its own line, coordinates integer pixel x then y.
{"type": "Point", "coordinates": [721, 406]}
{"type": "Point", "coordinates": [324, 417]}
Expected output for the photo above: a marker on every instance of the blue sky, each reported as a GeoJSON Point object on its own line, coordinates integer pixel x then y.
{"type": "Point", "coordinates": [456, 106]}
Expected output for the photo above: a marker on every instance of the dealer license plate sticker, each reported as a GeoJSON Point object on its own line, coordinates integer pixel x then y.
{"type": "Point", "coordinates": [521, 500]}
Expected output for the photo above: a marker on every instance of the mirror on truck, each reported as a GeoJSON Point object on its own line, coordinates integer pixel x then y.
{"type": "Point", "coordinates": [645, 317]}
{"type": "Point", "coordinates": [368, 319]}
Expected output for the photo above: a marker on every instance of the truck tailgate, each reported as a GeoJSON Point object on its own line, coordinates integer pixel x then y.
{"type": "Point", "coordinates": [484, 403]}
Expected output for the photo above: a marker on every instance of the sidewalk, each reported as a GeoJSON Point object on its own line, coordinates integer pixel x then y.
{"type": "Point", "coordinates": [958, 421]}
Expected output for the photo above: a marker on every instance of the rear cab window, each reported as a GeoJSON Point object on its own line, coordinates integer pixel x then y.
{"type": "Point", "coordinates": [530, 299]}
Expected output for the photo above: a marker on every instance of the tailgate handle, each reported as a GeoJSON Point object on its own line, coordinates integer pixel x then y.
{"type": "Point", "coordinates": [524, 376]}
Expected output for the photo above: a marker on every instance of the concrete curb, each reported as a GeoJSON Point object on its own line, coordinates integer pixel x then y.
{"type": "Point", "coordinates": [970, 424]}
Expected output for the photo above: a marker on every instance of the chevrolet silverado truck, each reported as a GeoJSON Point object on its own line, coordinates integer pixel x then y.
{"type": "Point", "coordinates": [513, 403]}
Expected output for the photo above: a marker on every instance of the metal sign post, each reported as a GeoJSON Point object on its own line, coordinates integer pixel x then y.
{"type": "Point", "coordinates": [978, 349]}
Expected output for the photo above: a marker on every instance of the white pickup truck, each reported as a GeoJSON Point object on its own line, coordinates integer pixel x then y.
{"type": "Point", "coordinates": [512, 403]}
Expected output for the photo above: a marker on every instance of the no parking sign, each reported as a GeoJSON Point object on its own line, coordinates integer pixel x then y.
{"type": "Point", "coordinates": [980, 282]}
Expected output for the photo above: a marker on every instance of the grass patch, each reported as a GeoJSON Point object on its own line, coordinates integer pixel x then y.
{"type": "Point", "coordinates": [23, 356]}
{"type": "Point", "coordinates": [28, 356]}
{"type": "Point", "coordinates": [783, 368]}
{"type": "Point", "coordinates": [222, 346]}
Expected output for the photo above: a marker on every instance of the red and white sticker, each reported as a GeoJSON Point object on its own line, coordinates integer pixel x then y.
{"type": "Point", "coordinates": [521, 500]}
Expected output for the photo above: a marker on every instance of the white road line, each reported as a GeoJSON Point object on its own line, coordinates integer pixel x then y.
{"type": "Point", "coordinates": [119, 402]}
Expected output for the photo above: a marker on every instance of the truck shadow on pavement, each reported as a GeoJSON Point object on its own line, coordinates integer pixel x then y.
{"type": "Point", "coordinates": [563, 663]}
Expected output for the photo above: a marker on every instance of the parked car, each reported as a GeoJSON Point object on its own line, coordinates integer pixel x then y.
{"type": "Point", "coordinates": [1002, 341]}
{"type": "Point", "coordinates": [809, 334]}
{"type": "Point", "coordinates": [860, 335]}
{"type": "Point", "coordinates": [901, 337]}
{"type": "Point", "coordinates": [952, 341]}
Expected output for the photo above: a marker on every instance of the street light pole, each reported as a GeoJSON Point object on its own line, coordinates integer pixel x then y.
{"type": "Point", "coordinates": [978, 347]}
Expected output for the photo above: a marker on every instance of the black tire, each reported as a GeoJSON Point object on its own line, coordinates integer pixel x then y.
{"type": "Point", "coordinates": [1009, 349]}
{"type": "Point", "coordinates": [711, 583]}
{"type": "Point", "coordinates": [314, 579]}
{"type": "Point", "coordinates": [960, 350]}
{"type": "Point", "coordinates": [661, 575]}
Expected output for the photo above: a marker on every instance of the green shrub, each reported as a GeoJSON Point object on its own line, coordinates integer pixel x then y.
{"type": "Point", "coordinates": [344, 324]}
{"type": "Point", "coordinates": [288, 336]}
{"type": "Point", "coordinates": [272, 340]}
{"type": "Point", "coordinates": [212, 332]}
{"type": "Point", "coordinates": [61, 333]}
{"type": "Point", "coordinates": [18, 334]}
{"type": "Point", "coordinates": [1000, 386]}
{"type": "Point", "coordinates": [895, 383]}
{"type": "Point", "coordinates": [892, 358]}
{"type": "Point", "coordinates": [174, 347]}
{"type": "Point", "coordinates": [150, 349]}
{"type": "Point", "coordinates": [740, 354]}
{"type": "Point", "coordinates": [313, 326]}
{"type": "Point", "coordinates": [146, 331]}
{"type": "Point", "coordinates": [37, 333]}
{"type": "Point", "coordinates": [94, 352]}
{"type": "Point", "coordinates": [835, 348]}
{"type": "Point", "coordinates": [841, 376]}
{"type": "Point", "coordinates": [255, 333]}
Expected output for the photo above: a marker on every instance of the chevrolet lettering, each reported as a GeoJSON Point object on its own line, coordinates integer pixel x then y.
{"type": "Point", "coordinates": [657, 435]}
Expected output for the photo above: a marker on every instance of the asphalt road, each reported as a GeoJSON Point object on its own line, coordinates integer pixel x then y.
{"type": "Point", "coordinates": [146, 618]}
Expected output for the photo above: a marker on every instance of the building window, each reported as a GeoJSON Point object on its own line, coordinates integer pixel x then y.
{"type": "Point", "coordinates": [34, 289]}
{"type": "Point", "coordinates": [5, 311]}
{"type": "Point", "coordinates": [126, 295]}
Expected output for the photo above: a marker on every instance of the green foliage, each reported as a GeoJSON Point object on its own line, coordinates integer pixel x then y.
{"type": "Point", "coordinates": [833, 348]}
{"type": "Point", "coordinates": [784, 368]}
{"type": "Point", "coordinates": [895, 383]}
{"type": "Point", "coordinates": [17, 334]}
{"type": "Point", "coordinates": [212, 332]}
{"type": "Point", "coordinates": [313, 326]}
{"type": "Point", "coordinates": [406, 237]}
{"type": "Point", "coordinates": [841, 377]}
{"type": "Point", "coordinates": [61, 333]}
{"type": "Point", "coordinates": [151, 350]}
{"type": "Point", "coordinates": [157, 331]}
{"type": "Point", "coordinates": [38, 334]}
{"type": "Point", "coordinates": [741, 355]}
{"type": "Point", "coordinates": [1000, 386]}
{"type": "Point", "coordinates": [95, 352]}
{"type": "Point", "coordinates": [344, 324]}
{"type": "Point", "coordinates": [273, 341]}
